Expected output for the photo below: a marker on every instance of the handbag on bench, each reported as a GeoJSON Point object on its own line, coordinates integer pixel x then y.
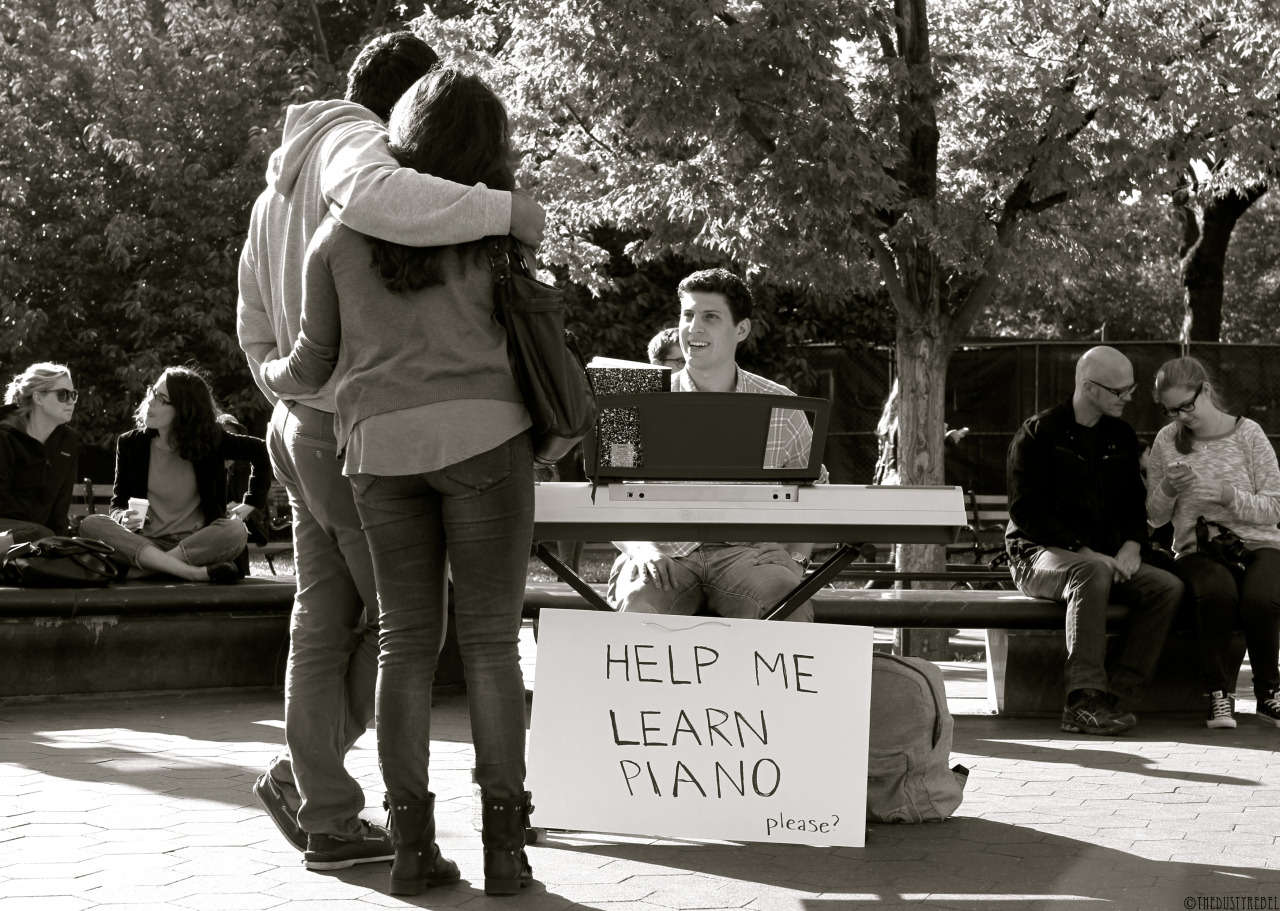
{"type": "Point", "coordinates": [60, 562]}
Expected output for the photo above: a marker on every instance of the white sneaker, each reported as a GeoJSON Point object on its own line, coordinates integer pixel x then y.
{"type": "Point", "coordinates": [1221, 710]}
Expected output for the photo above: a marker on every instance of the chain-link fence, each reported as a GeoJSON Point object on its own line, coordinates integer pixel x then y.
{"type": "Point", "coordinates": [993, 387]}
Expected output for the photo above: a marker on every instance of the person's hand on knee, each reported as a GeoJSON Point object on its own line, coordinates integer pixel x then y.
{"type": "Point", "coordinates": [652, 568]}
{"type": "Point", "coordinates": [1109, 564]}
{"type": "Point", "coordinates": [772, 552]}
{"type": "Point", "coordinates": [1128, 560]}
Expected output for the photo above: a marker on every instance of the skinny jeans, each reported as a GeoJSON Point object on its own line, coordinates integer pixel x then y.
{"type": "Point", "coordinates": [1225, 601]}
{"type": "Point", "coordinates": [474, 518]}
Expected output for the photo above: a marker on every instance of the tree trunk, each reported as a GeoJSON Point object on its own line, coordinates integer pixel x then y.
{"type": "Point", "coordinates": [1206, 236]}
{"type": "Point", "coordinates": [924, 348]}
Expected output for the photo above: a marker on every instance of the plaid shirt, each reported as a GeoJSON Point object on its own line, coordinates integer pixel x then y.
{"type": "Point", "coordinates": [786, 447]}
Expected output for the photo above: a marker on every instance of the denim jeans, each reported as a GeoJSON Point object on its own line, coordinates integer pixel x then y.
{"type": "Point", "coordinates": [479, 514]}
{"type": "Point", "coordinates": [218, 542]}
{"type": "Point", "coordinates": [333, 640]}
{"type": "Point", "coordinates": [1085, 585]}
{"type": "Point", "coordinates": [723, 579]}
{"type": "Point", "coordinates": [1223, 602]}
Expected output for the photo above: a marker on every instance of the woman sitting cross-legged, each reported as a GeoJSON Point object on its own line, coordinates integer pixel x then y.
{"type": "Point", "coordinates": [1213, 464]}
{"type": "Point", "coordinates": [175, 461]}
{"type": "Point", "coordinates": [38, 454]}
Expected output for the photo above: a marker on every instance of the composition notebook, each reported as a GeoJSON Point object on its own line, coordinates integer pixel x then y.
{"type": "Point", "coordinates": [699, 436]}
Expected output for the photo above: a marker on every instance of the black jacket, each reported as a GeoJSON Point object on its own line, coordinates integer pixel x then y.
{"type": "Point", "coordinates": [36, 478]}
{"type": "Point", "coordinates": [1063, 493]}
{"type": "Point", "coordinates": [133, 463]}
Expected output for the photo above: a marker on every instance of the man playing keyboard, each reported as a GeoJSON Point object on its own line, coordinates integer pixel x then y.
{"type": "Point", "coordinates": [728, 579]}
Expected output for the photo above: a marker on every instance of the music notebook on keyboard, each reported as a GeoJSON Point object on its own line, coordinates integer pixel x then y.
{"type": "Point", "coordinates": [698, 436]}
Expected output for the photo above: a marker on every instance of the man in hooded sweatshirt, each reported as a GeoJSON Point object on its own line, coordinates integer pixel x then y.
{"type": "Point", "coordinates": [334, 158]}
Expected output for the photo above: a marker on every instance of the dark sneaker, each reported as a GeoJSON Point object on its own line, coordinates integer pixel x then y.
{"type": "Point", "coordinates": [224, 573]}
{"type": "Point", "coordinates": [1222, 710]}
{"type": "Point", "coordinates": [1091, 713]}
{"type": "Point", "coordinates": [336, 852]}
{"type": "Point", "coordinates": [1269, 709]}
{"type": "Point", "coordinates": [268, 794]}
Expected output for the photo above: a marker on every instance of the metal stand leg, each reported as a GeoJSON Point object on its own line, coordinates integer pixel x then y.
{"type": "Point", "coordinates": [811, 583]}
{"type": "Point", "coordinates": [575, 581]}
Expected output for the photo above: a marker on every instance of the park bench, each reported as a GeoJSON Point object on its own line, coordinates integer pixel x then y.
{"type": "Point", "coordinates": [144, 635]}
{"type": "Point", "coordinates": [1025, 646]}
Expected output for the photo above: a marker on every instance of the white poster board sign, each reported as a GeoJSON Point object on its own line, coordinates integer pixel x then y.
{"type": "Point", "coordinates": [700, 727]}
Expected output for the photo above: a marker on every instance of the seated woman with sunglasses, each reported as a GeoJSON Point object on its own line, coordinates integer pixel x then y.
{"type": "Point", "coordinates": [1213, 464]}
{"type": "Point", "coordinates": [175, 461]}
{"type": "Point", "coordinates": [38, 454]}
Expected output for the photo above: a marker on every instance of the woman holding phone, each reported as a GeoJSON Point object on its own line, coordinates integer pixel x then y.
{"type": "Point", "coordinates": [1208, 462]}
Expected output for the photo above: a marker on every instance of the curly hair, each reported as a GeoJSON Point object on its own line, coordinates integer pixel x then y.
{"type": "Point", "coordinates": [36, 378]}
{"type": "Point", "coordinates": [721, 281]}
{"type": "Point", "coordinates": [196, 430]}
{"type": "Point", "coordinates": [453, 126]}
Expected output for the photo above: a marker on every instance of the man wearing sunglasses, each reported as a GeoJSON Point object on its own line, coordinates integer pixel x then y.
{"type": "Point", "coordinates": [1078, 534]}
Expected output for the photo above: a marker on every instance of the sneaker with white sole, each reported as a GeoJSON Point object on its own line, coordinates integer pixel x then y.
{"type": "Point", "coordinates": [1222, 709]}
{"type": "Point", "coordinates": [337, 852]}
{"type": "Point", "coordinates": [1269, 709]}
{"type": "Point", "coordinates": [1093, 713]}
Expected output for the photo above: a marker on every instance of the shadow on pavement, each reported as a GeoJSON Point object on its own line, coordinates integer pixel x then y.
{"type": "Point", "coordinates": [962, 863]}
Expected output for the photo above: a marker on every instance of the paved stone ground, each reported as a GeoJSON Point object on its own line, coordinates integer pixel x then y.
{"type": "Point", "coordinates": [140, 803]}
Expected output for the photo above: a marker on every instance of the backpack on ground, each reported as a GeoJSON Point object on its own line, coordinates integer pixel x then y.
{"type": "Point", "coordinates": [908, 777]}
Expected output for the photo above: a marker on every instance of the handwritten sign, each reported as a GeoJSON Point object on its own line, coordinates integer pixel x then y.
{"type": "Point", "coordinates": [700, 727]}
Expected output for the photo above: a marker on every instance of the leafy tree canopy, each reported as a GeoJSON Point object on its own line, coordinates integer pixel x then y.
{"type": "Point", "coordinates": [913, 153]}
{"type": "Point", "coordinates": [133, 145]}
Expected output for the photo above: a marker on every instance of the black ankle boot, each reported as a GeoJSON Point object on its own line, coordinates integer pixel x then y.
{"type": "Point", "coordinates": [506, 866]}
{"type": "Point", "coordinates": [418, 863]}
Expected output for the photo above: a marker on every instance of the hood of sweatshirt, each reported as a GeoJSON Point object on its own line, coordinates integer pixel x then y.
{"type": "Point", "coordinates": [305, 125]}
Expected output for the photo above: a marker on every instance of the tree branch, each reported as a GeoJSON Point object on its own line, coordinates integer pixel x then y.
{"type": "Point", "coordinates": [379, 16]}
{"type": "Point", "coordinates": [976, 300]}
{"type": "Point", "coordinates": [884, 34]}
{"type": "Point", "coordinates": [888, 268]}
{"type": "Point", "coordinates": [317, 30]}
{"type": "Point", "coordinates": [757, 132]}
{"type": "Point", "coordinates": [587, 129]}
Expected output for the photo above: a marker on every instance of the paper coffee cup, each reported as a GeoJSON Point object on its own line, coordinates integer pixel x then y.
{"type": "Point", "coordinates": [140, 506]}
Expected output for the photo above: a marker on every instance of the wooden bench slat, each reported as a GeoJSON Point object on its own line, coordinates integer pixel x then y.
{"type": "Point", "coordinates": [909, 608]}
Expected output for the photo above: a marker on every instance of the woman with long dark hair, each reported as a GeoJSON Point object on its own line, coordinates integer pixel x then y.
{"type": "Point", "coordinates": [1208, 462]}
{"type": "Point", "coordinates": [38, 454]}
{"type": "Point", "coordinates": [436, 446]}
{"type": "Point", "coordinates": [175, 461]}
